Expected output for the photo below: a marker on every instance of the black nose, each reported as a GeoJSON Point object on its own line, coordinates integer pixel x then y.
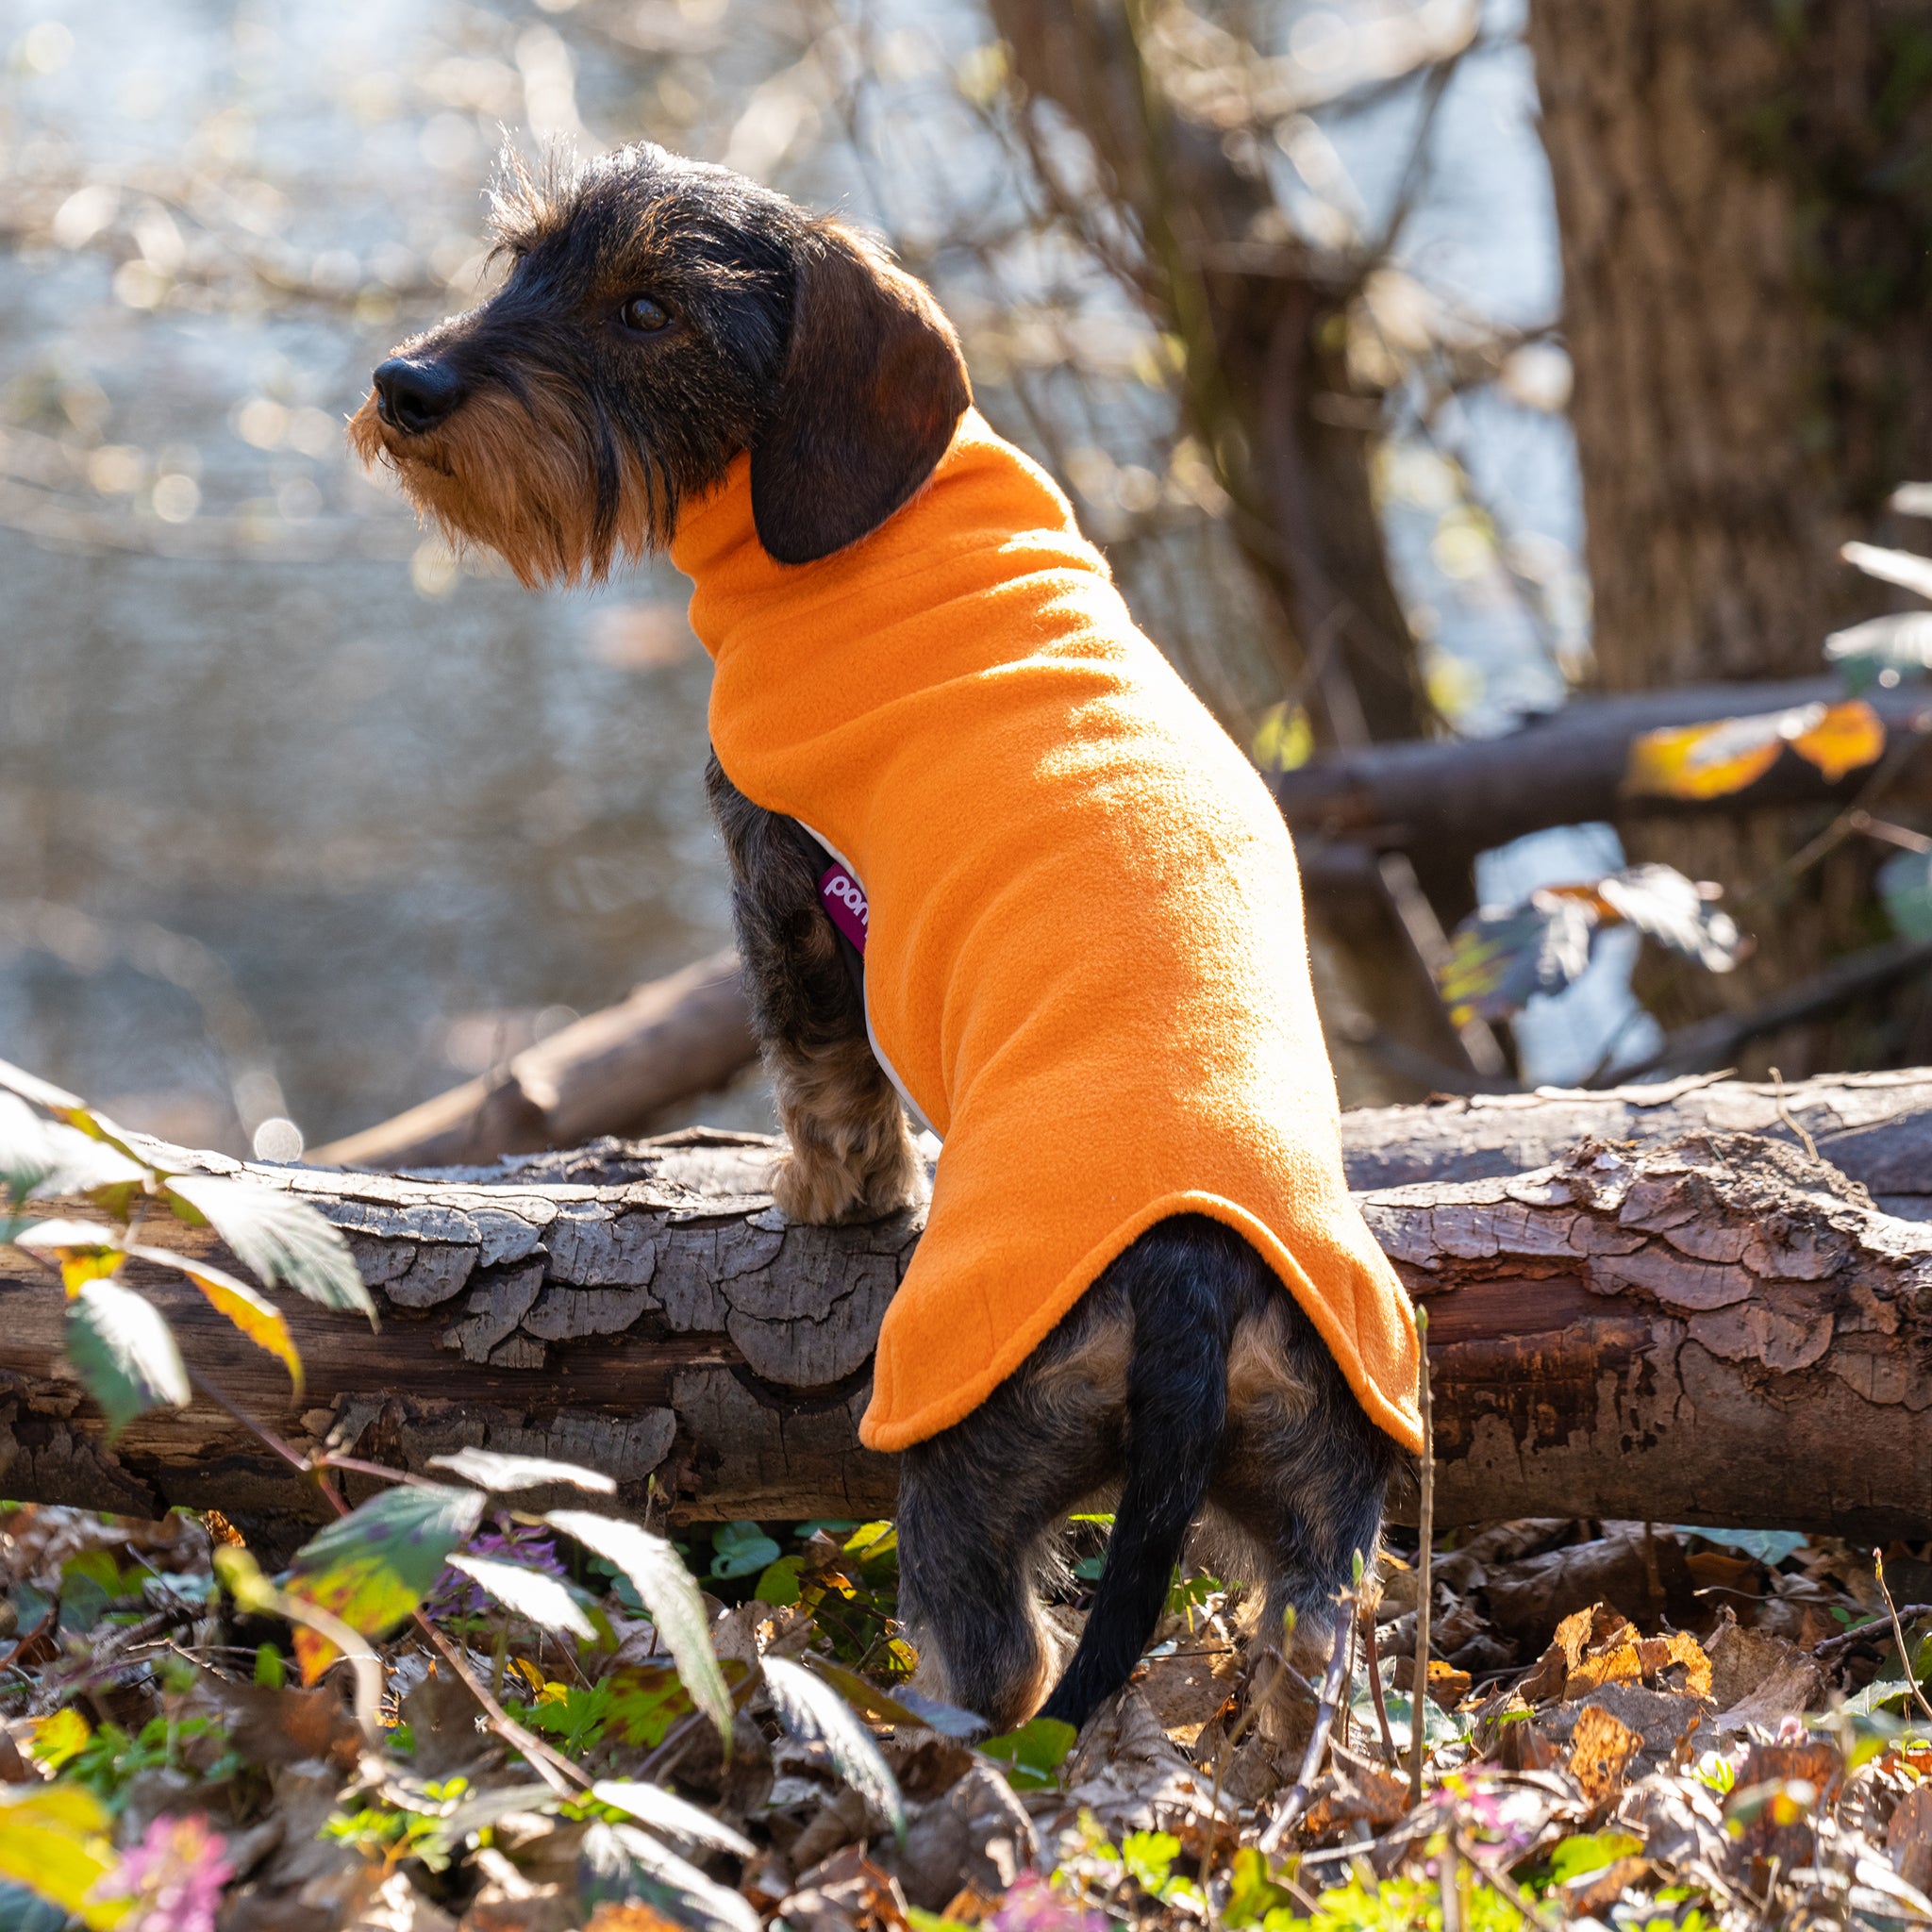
{"type": "Point", "coordinates": [415, 397]}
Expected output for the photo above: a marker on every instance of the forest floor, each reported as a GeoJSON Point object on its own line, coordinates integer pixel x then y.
{"type": "Point", "coordinates": [1626, 1725]}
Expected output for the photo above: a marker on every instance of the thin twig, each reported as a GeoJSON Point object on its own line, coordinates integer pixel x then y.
{"type": "Point", "coordinates": [1419, 1686]}
{"type": "Point", "coordinates": [545, 1762]}
{"type": "Point", "coordinates": [1905, 1657]}
{"type": "Point", "coordinates": [1830, 1647]}
{"type": "Point", "coordinates": [1297, 1801]}
{"type": "Point", "coordinates": [1784, 1113]}
{"type": "Point", "coordinates": [1367, 1614]}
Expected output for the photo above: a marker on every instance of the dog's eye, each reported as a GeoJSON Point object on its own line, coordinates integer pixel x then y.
{"type": "Point", "coordinates": [644, 314]}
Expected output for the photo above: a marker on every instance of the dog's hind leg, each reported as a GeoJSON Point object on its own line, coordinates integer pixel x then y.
{"type": "Point", "coordinates": [979, 1505]}
{"type": "Point", "coordinates": [851, 1155]}
{"type": "Point", "coordinates": [1302, 1472]}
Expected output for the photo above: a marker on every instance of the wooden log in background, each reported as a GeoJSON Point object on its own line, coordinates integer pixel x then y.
{"type": "Point", "coordinates": [1715, 1329]}
{"type": "Point", "coordinates": [605, 1074]}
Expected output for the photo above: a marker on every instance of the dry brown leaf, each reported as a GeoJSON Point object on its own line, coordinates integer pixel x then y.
{"type": "Point", "coordinates": [1758, 1678]}
{"type": "Point", "coordinates": [1578, 1635]}
{"type": "Point", "coordinates": [1908, 1838]}
{"type": "Point", "coordinates": [1186, 1691]}
{"type": "Point", "coordinates": [1600, 1748]}
{"type": "Point", "coordinates": [633, 1916]}
{"type": "Point", "coordinates": [1674, 1650]}
{"type": "Point", "coordinates": [1376, 1799]}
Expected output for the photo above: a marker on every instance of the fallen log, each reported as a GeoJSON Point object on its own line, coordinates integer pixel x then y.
{"type": "Point", "coordinates": [1452, 797]}
{"type": "Point", "coordinates": [1720, 1329]}
{"type": "Point", "coordinates": [609, 1072]}
{"type": "Point", "coordinates": [1874, 1128]}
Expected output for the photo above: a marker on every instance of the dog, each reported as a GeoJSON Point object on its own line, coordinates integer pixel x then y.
{"type": "Point", "coordinates": [937, 737]}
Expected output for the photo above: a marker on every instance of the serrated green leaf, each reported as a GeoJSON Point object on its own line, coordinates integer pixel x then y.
{"type": "Point", "coordinates": [253, 1313]}
{"type": "Point", "coordinates": [43, 1157]}
{"type": "Point", "coordinates": [124, 1353]}
{"type": "Point", "coordinates": [810, 1707]}
{"type": "Point", "coordinates": [666, 1811]}
{"type": "Point", "coordinates": [528, 1593]}
{"type": "Point", "coordinates": [488, 1470]}
{"type": "Point", "coordinates": [373, 1566]}
{"type": "Point", "coordinates": [278, 1235]}
{"type": "Point", "coordinates": [657, 1573]}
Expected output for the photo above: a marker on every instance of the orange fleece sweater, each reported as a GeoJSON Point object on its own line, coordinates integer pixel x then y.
{"type": "Point", "coordinates": [1084, 965]}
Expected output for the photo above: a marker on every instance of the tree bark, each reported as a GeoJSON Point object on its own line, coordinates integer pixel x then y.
{"type": "Point", "coordinates": [1719, 1329]}
{"type": "Point", "coordinates": [1744, 237]}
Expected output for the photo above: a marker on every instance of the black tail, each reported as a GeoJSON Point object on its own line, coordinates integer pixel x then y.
{"type": "Point", "coordinates": [1179, 1275]}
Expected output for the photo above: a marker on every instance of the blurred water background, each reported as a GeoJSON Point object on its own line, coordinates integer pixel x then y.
{"type": "Point", "coordinates": [301, 820]}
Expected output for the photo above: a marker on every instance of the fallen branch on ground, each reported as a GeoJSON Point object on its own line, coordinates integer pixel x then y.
{"type": "Point", "coordinates": [1720, 1332]}
{"type": "Point", "coordinates": [609, 1072]}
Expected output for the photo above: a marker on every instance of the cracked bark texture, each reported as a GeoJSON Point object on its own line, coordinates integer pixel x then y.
{"type": "Point", "coordinates": [1716, 1328]}
{"type": "Point", "coordinates": [1744, 230]}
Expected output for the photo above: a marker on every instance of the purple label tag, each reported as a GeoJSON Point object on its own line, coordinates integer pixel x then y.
{"type": "Point", "coordinates": [845, 900]}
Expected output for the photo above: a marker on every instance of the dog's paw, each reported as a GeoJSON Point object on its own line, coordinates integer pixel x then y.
{"type": "Point", "coordinates": [817, 1188]}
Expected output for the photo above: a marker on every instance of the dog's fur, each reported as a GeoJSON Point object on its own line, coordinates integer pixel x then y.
{"type": "Point", "coordinates": [546, 426]}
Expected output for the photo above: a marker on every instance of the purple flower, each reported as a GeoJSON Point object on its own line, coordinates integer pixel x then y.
{"type": "Point", "coordinates": [1032, 1904]}
{"type": "Point", "coordinates": [174, 1876]}
{"type": "Point", "coordinates": [456, 1595]}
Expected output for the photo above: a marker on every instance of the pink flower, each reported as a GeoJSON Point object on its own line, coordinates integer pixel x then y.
{"type": "Point", "coordinates": [1032, 1904]}
{"type": "Point", "coordinates": [174, 1876]}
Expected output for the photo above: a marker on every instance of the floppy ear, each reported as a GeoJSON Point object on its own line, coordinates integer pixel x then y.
{"type": "Point", "coordinates": [872, 387]}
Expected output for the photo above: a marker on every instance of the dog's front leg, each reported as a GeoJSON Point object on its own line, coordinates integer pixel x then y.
{"type": "Point", "coordinates": [851, 1157]}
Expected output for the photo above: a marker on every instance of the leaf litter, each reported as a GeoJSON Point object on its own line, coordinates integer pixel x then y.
{"type": "Point", "coordinates": [1723, 1735]}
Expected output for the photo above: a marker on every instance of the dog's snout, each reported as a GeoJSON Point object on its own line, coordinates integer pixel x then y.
{"type": "Point", "coordinates": [414, 396]}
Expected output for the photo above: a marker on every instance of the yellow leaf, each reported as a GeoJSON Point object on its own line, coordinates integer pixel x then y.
{"type": "Point", "coordinates": [54, 1839]}
{"type": "Point", "coordinates": [1848, 736]}
{"type": "Point", "coordinates": [53, 1740]}
{"type": "Point", "coordinates": [1712, 760]}
{"type": "Point", "coordinates": [253, 1313]}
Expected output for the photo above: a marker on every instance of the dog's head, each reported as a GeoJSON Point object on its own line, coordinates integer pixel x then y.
{"type": "Point", "coordinates": [659, 317]}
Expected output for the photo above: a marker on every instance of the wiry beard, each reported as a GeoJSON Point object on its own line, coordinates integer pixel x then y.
{"type": "Point", "coordinates": [561, 500]}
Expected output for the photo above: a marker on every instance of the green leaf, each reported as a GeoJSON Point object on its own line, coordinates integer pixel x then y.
{"type": "Point", "coordinates": [1149, 1858]}
{"type": "Point", "coordinates": [619, 1862]}
{"type": "Point", "coordinates": [277, 1234]}
{"type": "Point", "coordinates": [740, 1548]}
{"type": "Point", "coordinates": [1033, 1754]}
{"type": "Point", "coordinates": [1500, 954]}
{"type": "Point", "coordinates": [671, 1595]}
{"type": "Point", "coordinates": [251, 1312]}
{"type": "Point", "coordinates": [1770, 1546]}
{"type": "Point", "coordinates": [1252, 1894]}
{"type": "Point", "coordinates": [778, 1585]}
{"type": "Point", "coordinates": [373, 1566]}
{"type": "Point", "coordinates": [124, 1353]}
{"type": "Point", "coordinates": [500, 1474]}
{"type": "Point", "coordinates": [1588, 1852]}
{"type": "Point", "coordinates": [528, 1593]}
{"type": "Point", "coordinates": [666, 1811]}
{"type": "Point", "coordinates": [1875, 1696]}
{"type": "Point", "coordinates": [902, 1707]}
{"type": "Point", "coordinates": [78, 1165]}
{"type": "Point", "coordinates": [810, 1707]}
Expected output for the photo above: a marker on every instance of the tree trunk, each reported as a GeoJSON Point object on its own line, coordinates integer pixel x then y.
{"type": "Point", "coordinates": [1717, 1330]}
{"type": "Point", "coordinates": [1745, 234]}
